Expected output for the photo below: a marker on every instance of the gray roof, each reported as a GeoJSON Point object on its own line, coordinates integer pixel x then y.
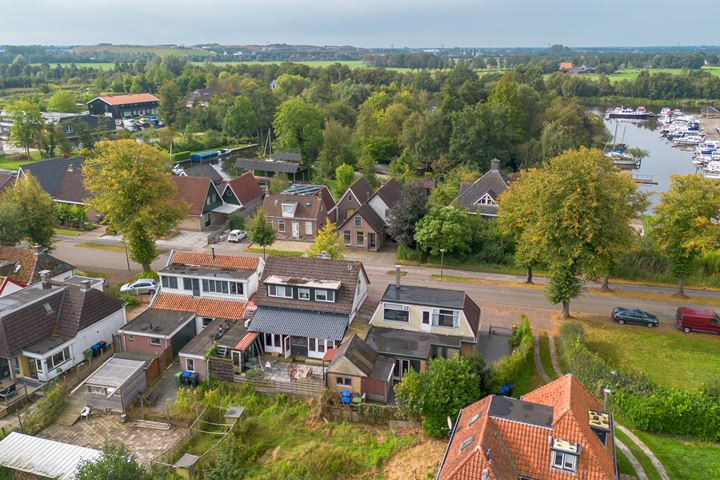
{"type": "Point", "coordinates": [51, 173]}
{"type": "Point", "coordinates": [390, 192]}
{"type": "Point", "coordinates": [360, 354]}
{"type": "Point", "coordinates": [154, 321]}
{"type": "Point", "coordinates": [266, 165]}
{"type": "Point", "coordinates": [407, 343]}
{"type": "Point", "coordinates": [520, 411]}
{"type": "Point", "coordinates": [435, 297]}
{"type": "Point", "coordinates": [286, 157]}
{"type": "Point", "coordinates": [493, 183]}
{"type": "Point", "coordinates": [299, 323]}
{"type": "Point", "coordinates": [42, 457]}
{"type": "Point", "coordinates": [234, 335]}
{"type": "Point", "coordinates": [225, 273]}
{"type": "Point", "coordinates": [370, 216]}
{"type": "Point", "coordinates": [115, 372]}
{"type": "Point", "coordinates": [196, 169]}
{"type": "Point", "coordinates": [217, 329]}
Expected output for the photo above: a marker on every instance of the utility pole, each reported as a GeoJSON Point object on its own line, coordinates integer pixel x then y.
{"type": "Point", "coordinates": [442, 262]}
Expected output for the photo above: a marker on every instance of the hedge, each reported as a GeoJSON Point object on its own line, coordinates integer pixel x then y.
{"type": "Point", "coordinates": [643, 404]}
{"type": "Point", "coordinates": [178, 156]}
{"type": "Point", "coordinates": [509, 367]}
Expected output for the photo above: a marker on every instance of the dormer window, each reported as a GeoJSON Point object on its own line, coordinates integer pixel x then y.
{"type": "Point", "coordinates": [280, 291]}
{"type": "Point", "coordinates": [485, 200]}
{"type": "Point", "coordinates": [324, 296]}
{"type": "Point", "coordinates": [288, 209]}
{"type": "Point", "coordinates": [564, 455]}
{"type": "Point", "coordinates": [600, 424]}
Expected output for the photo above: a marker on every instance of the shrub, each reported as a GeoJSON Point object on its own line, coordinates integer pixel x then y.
{"type": "Point", "coordinates": [236, 222]}
{"type": "Point", "coordinates": [131, 300]}
{"type": "Point", "coordinates": [179, 156]}
{"type": "Point", "coordinates": [44, 412]}
{"type": "Point", "coordinates": [406, 253]}
{"type": "Point", "coordinates": [150, 274]}
{"type": "Point", "coordinates": [509, 367]}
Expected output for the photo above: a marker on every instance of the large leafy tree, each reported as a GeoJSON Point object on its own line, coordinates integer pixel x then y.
{"type": "Point", "coordinates": [299, 127]}
{"type": "Point", "coordinates": [34, 212]}
{"type": "Point", "coordinates": [131, 185]}
{"type": "Point", "coordinates": [447, 228]}
{"type": "Point", "coordinates": [261, 231]}
{"type": "Point", "coordinates": [115, 463]}
{"type": "Point", "coordinates": [335, 150]}
{"type": "Point", "coordinates": [11, 230]}
{"type": "Point", "coordinates": [447, 386]}
{"type": "Point", "coordinates": [62, 101]}
{"type": "Point", "coordinates": [27, 124]}
{"type": "Point", "coordinates": [326, 243]}
{"type": "Point", "coordinates": [406, 214]}
{"type": "Point", "coordinates": [240, 119]}
{"type": "Point", "coordinates": [686, 222]}
{"type": "Point", "coordinates": [578, 211]}
{"type": "Point", "coordinates": [170, 97]}
{"type": "Point", "coordinates": [344, 177]}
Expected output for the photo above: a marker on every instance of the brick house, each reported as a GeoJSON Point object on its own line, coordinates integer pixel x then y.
{"type": "Point", "coordinates": [295, 217]}
{"type": "Point", "coordinates": [356, 195]}
{"type": "Point", "coordinates": [124, 106]}
{"type": "Point", "coordinates": [364, 229]}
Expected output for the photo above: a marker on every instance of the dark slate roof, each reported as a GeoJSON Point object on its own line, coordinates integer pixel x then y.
{"type": "Point", "coordinates": [45, 261]}
{"type": "Point", "coordinates": [7, 179]}
{"type": "Point", "coordinates": [390, 192]}
{"type": "Point", "coordinates": [407, 343]}
{"type": "Point", "coordinates": [369, 215]}
{"type": "Point", "coordinates": [435, 297]}
{"type": "Point", "coordinates": [493, 183]}
{"type": "Point", "coordinates": [266, 165]}
{"type": "Point", "coordinates": [358, 353]}
{"type": "Point", "coordinates": [154, 321]}
{"type": "Point", "coordinates": [202, 94]}
{"type": "Point", "coordinates": [197, 169]}
{"type": "Point", "coordinates": [286, 157]}
{"type": "Point", "coordinates": [299, 323]}
{"type": "Point", "coordinates": [521, 411]}
{"type": "Point", "coordinates": [346, 272]}
{"type": "Point", "coordinates": [234, 335]}
{"type": "Point", "coordinates": [51, 173]}
{"type": "Point", "coordinates": [213, 332]}
{"type": "Point", "coordinates": [82, 308]}
{"type": "Point", "coordinates": [362, 190]}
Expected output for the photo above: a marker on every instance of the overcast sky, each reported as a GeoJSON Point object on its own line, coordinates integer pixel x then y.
{"type": "Point", "coordinates": [365, 23]}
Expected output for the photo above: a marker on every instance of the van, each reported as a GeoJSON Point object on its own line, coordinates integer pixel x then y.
{"type": "Point", "coordinates": [697, 320]}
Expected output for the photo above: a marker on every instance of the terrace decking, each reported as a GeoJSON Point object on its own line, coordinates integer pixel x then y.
{"type": "Point", "coordinates": [285, 377]}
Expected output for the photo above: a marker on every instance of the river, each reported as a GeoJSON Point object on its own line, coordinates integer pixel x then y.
{"type": "Point", "coordinates": [662, 161]}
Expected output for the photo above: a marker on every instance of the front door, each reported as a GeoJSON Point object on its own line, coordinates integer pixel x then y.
{"type": "Point", "coordinates": [286, 346]}
{"type": "Point", "coordinates": [237, 361]}
{"type": "Point", "coordinates": [402, 366]}
{"type": "Point", "coordinates": [371, 240]}
{"type": "Point", "coordinates": [295, 229]}
{"type": "Point", "coordinates": [425, 320]}
{"type": "Point", "coordinates": [32, 368]}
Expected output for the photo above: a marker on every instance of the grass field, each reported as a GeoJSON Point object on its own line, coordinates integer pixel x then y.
{"type": "Point", "coordinates": [647, 465]}
{"type": "Point", "coordinates": [633, 73]}
{"type": "Point", "coordinates": [684, 459]}
{"type": "Point", "coordinates": [12, 162]}
{"type": "Point", "coordinates": [141, 49]}
{"type": "Point", "coordinates": [96, 66]}
{"type": "Point", "coordinates": [667, 356]}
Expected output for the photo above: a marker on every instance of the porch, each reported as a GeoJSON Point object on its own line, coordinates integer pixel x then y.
{"type": "Point", "coordinates": [273, 375]}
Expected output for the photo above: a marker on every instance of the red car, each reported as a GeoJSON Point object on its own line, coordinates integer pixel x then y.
{"type": "Point", "coordinates": [697, 320]}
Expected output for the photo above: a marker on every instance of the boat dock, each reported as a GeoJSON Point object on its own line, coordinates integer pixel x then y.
{"type": "Point", "coordinates": [644, 179]}
{"type": "Point", "coordinates": [710, 125]}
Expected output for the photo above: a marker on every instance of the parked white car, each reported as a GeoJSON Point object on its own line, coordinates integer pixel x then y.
{"type": "Point", "coordinates": [142, 286]}
{"type": "Point", "coordinates": [236, 235]}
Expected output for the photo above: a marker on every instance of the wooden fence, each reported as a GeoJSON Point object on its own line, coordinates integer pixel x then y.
{"type": "Point", "coordinates": [301, 388]}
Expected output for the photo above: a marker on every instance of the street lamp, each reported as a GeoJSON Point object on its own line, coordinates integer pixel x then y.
{"type": "Point", "coordinates": [442, 261]}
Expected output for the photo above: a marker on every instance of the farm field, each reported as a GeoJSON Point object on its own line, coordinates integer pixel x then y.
{"type": "Point", "coordinates": [96, 66]}
{"type": "Point", "coordinates": [633, 73]}
{"type": "Point", "coordinates": [157, 50]}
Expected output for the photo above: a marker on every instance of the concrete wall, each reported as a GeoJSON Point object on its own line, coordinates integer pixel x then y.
{"type": "Point", "coordinates": [193, 224]}
{"type": "Point", "coordinates": [200, 365]}
{"type": "Point", "coordinates": [380, 207]}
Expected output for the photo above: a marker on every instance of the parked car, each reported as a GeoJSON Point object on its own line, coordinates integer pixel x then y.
{"type": "Point", "coordinates": [142, 286]}
{"type": "Point", "coordinates": [236, 235]}
{"type": "Point", "coordinates": [177, 169]}
{"type": "Point", "coordinates": [697, 320]}
{"type": "Point", "coordinates": [624, 315]}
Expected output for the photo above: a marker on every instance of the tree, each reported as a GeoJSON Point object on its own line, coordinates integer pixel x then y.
{"type": "Point", "coordinates": [116, 462]}
{"type": "Point", "coordinates": [326, 243]}
{"type": "Point", "coordinates": [298, 126]}
{"type": "Point", "coordinates": [27, 124]}
{"type": "Point", "coordinates": [335, 150]}
{"type": "Point", "coordinates": [35, 211]}
{"type": "Point", "coordinates": [447, 386]}
{"type": "Point", "coordinates": [406, 214]}
{"type": "Point", "coordinates": [11, 230]}
{"type": "Point", "coordinates": [240, 119]}
{"type": "Point", "coordinates": [278, 182]}
{"type": "Point", "coordinates": [62, 101]}
{"type": "Point", "coordinates": [685, 223]}
{"type": "Point", "coordinates": [131, 185]}
{"type": "Point", "coordinates": [344, 177]}
{"type": "Point", "coordinates": [170, 98]}
{"type": "Point", "coordinates": [261, 231]}
{"type": "Point", "coordinates": [447, 228]}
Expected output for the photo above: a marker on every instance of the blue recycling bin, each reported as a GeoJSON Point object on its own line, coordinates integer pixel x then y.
{"type": "Point", "coordinates": [186, 378]}
{"type": "Point", "coordinates": [346, 397]}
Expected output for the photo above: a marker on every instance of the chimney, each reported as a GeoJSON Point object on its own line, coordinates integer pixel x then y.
{"type": "Point", "coordinates": [85, 285]}
{"type": "Point", "coordinates": [495, 164]}
{"type": "Point", "coordinates": [37, 249]}
{"type": "Point", "coordinates": [45, 278]}
{"type": "Point", "coordinates": [213, 252]}
{"type": "Point", "coordinates": [397, 280]}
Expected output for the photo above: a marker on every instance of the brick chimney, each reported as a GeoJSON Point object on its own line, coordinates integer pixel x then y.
{"type": "Point", "coordinates": [45, 278]}
{"type": "Point", "coordinates": [495, 164]}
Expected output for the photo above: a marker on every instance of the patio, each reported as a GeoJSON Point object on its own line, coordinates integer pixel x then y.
{"type": "Point", "coordinates": [282, 371]}
{"type": "Point", "coordinates": [277, 376]}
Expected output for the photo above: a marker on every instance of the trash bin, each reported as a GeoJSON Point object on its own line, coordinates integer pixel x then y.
{"type": "Point", "coordinates": [194, 379]}
{"type": "Point", "coordinates": [103, 345]}
{"type": "Point", "coordinates": [345, 396]}
{"type": "Point", "coordinates": [88, 354]}
{"type": "Point", "coordinates": [178, 378]}
{"type": "Point", "coordinates": [97, 350]}
{"type": "Point", "coordinates": [186, 378]}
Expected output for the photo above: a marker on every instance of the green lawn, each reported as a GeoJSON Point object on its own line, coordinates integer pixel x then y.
{"type": "Point", "coordinates": [544, 341]}
{"type": "Point", "coordinates": [272, 251]}
{"type": "Point", "coordinates": [632, 73]}
{"type": "Point", "coordinates": [101, 246]}
{"type": "Point", "coordinates": [68, 232]}
{"type": "Point", "coordinates": [12, 162]}
{"type": "Point", "coordinates": [684, 459]}
{"type": "Point", "coordinates": [639, 455]}
{"type": "Point", "coordinates": [624, 465]}
{"type": "Point", "coordinates": [667, 356]}
{"type": "Point", "coordinates": [135, 49]}
{"type": "Point", "coordinates": [96, 66]}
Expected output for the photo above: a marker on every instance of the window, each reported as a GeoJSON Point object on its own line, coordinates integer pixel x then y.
{"type": "Point", "coordinates": [358, 221]}
{"type": "Point", "coordinates": [169, 282]}
{"type": "Point", "coordinates": [312, 344]}
{"type": "Point", "coordinates": [280, 291]}
{"type": "Point", "coordinates": [288, 209]}
{"type": "Point", "coordinates": [325, 296]}
{"type": "Point", "coordinates": [359, 239]}
{"type": "Point", "coordinates": [485, 200]}
{"type": "Point", "coordinates": [426, 318]}
{"type": "Point", "coordinates": [347, 237]}
{"type": "Point", "coordinates": [281, 226]}
{"type": "Point", "coordinates": [130, 338]}
{"type": "Point", "coordinates": [154, 341]}
{"type": "Point", "coordinates": [396, 313]}
{"type": "Point", "coordinates": [58, 359]}
{"type": "Point", "coordinates": [467, 442]}
{"type": "Point", "coordinates": [206, 321]}
{"type": "Point", "coordinates": [272, 340]}
{"type": "Point", "coordinates": [218, 286]}
{"type": "Point", "coordinates": [98, 390]}
{"type": "Point", "coordinates": [48, 308]}
{"type": "Point", "coordinates": [190, 364]}
{"type": "Point", "coordinates": [564, 461]}
{"type": "Point", "coordinates": [236, 288]}
{"type": "Point", "coordinates": [445, 318]}
{"type": "Point", "coordinates": [308, 228]}
{"type": "Point", "coordinates": [303, 294]}
{"type": "Point", "coordinates": [191, 284]}
{"type": "Point", "coordinates": [68, 129]}
{"type": "Point", "coordinates": [343, 381]}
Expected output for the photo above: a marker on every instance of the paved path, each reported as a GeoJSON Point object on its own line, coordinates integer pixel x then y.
{"type": "Point", "coordinates": [658, 466]}
{"type": "Point", "coordinates": [632, 459]}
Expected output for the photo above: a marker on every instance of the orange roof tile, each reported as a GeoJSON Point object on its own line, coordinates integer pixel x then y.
{"type": "Point", "coordinates": [132, 98]}
{"type": "Point", "coordinates": [239, 262]}
{"type": "Point", "coordinates": [246, 341]}
{"type": "Point", "coordinates": [204, 307]}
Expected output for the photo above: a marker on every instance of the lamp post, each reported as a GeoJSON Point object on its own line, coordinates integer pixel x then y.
{"type": "Point", "coordinates": [442, 262]}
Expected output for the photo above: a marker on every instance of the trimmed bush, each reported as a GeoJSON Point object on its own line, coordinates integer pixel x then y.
{"type": "Point", "coordinates": [152, 275]}
{"type": "Point", "coordinates": [179, 156]}
{"type": "Point", "coordinates": [509, 368]}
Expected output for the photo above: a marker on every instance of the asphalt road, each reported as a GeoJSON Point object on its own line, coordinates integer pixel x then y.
{"type": "Point", "coordinates": [501, 303]}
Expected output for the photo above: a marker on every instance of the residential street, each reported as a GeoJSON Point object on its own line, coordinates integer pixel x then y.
{"type": "Point", "coordinates": [502, 303]}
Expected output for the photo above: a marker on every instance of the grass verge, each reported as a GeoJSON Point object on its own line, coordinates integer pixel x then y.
{"type": "Point", "coordinates": [68, 232]}
{"type": "Point", "coordinates": [100, 246]}
{"type": "Point", "coordinates": [272, 251]}
{"type": "Point", "coordinates": [659, 297]}
{"type": "Point", "coordinates": [667, 356]}
{"type": "Point", "coordinates": [624, 465]}
{"type": "Point", "coordinates": [684, 459]}
{"type": "Point", "coordinates": [485, 281]}
{"type": "Point", "coordinates": [544, 342]}
{"type": "Point", "coordinates": [640, 455]}
{"type": "Point", "coordinates": [392, 272]}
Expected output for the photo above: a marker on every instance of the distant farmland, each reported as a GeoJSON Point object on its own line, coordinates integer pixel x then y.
{"type": "Point", "coordinates": [139, 49]}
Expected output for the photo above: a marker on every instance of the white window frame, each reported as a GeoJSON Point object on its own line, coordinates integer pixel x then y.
{"type": "Point", "coordinates": [154, 339]}
{"type": "Point", "coordinates": [564, 465]}
{"type": "Point", "coordinates": [436, 318]}
{"type": "Point", "coordinates": [357, 220]}
{"type": "Point", "coordinates": [329, 295]}
{"type": "Point", "coordinates": [303, 294]}
{"type": "Point", "coordinates": [359, 238]}
{"type": "Point", "coordinates": [190, 364]}
{"type": "Point", "coordinates": [342, 381]}
{"type": "Point", "coordinates": [281, 226]}
{"type": "Point", "coordinates": [486, 199]}
{"type": "Point", "coordinates": [287, 291]}
{"type": "Point", "coordinates": [396, 307]}
{"type": "Point", "coordinates": [308, 228]}
{"type": "Point", "coordinates": [347, 237]}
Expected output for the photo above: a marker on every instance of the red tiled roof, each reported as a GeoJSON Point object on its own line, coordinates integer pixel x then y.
{"type": "Point", "coordinates": [326, 197]}
{"type": "Point", "coordinates": [245, 188]}
{"type": "Point", "coordinates": [193, 191]}
{"type": "Point", "coordinates": [239, 262]}
{"type": "Point", "coordinates": [132, 98]}
{"type": "Point", "coordinates": [566, 65]}
{"type": "Point", "coordinates": [204, 307]}
{"type": "Point", "coordinates": [330, 354]}
{"type": "Point", "coordinates": [507, 448]}
{"type": "Point", "coordinates": [246, 341]}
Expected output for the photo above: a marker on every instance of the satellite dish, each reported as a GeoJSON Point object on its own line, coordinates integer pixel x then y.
{"type": "Point", "coordinates": [449, 420]}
